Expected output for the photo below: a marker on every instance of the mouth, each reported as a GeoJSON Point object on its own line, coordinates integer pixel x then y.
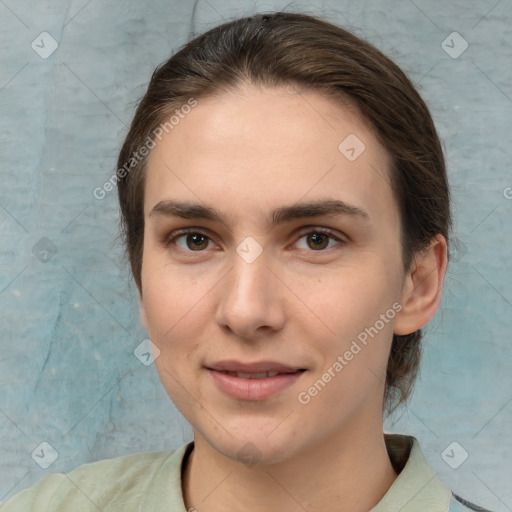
{"type": "Point", "coordinates": [255, 386]}
{"type": "Point", "coordinates": [252, 368]}
{"type": "Point", "coordinates": [257, 375]}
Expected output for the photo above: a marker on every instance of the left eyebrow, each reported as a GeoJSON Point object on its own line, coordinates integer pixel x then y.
{"type": "Point", "coordinates": [319, 208]}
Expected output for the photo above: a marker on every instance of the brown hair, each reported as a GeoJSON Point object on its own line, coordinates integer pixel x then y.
{"type": "Point", "coordinates": [301, 50]}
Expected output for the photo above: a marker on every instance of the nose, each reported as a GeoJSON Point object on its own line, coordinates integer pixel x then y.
{"type": "Point", "coordinates": [251, 300]}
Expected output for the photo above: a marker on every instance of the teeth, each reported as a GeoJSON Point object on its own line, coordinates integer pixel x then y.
{"type": "Point", "coordinates": [260, 375]}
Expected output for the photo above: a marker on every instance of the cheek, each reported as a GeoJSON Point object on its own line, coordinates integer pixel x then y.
{"type": "Point", "coordinates": [176, 307]}
{"type": "Point", "coordinates": [353, 361]}
{"type": "Point", "coordinates": [357, 307]}
{"type": "Point", "coordinates": [171, 300]}
{"type": "Point", "coordinates": [352, 299]}
{"type": "Point", "coordinates": [175, 321]}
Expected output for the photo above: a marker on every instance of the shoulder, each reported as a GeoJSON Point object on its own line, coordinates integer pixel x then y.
{"type": "Point", "coordinates": [417, 486]}
{"type": "Point", "coordinates": [92, 486]}
{"type": "Point", "coordinates": [458, 504]}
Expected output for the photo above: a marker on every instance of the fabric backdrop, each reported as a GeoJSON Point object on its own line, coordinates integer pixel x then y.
{"type": "Point", "coordinates": [72, 387]}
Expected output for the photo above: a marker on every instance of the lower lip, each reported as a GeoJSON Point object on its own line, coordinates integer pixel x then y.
{"type": "Point", "coordinates": [253, 389]}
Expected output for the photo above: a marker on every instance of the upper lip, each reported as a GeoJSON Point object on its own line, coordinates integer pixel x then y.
{"type": "Point", "coordinates": [256, 367]}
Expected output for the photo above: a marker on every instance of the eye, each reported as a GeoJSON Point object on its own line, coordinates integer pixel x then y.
{"type": "Point", "coordinates": [319, 239]}
{"type": "Point", "coordinates": [192, 241]}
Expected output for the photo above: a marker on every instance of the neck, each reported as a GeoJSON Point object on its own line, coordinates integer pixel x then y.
{"type": "Point", "coordinates": [349, 472]}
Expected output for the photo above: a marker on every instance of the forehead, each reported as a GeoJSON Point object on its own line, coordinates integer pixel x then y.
{"type": "Point", "coordinates": [254, 149]}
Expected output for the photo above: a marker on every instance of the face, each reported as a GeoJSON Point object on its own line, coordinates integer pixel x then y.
{"type": "Point", "coordinates": [253, 275]}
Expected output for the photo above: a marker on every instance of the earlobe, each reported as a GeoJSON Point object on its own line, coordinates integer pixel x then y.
{"type": "Point", "coordinates": [423, 286]}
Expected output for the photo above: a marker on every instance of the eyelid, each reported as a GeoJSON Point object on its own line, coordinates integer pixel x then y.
{"type": "Point", "coordinates": [319, 229]}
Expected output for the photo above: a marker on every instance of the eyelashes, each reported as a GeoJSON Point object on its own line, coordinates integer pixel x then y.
{"type": "Point", "coordinates": [201, 241]}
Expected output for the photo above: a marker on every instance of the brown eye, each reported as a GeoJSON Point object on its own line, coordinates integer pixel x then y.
{"type": "Point", "coordinates": [196, 241]}
{"type": "Point", "coordinates": [318, 240]}
{"type": "Point", "coordinates": [188, 241]}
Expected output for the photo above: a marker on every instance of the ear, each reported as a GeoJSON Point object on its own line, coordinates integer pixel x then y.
{"type": "Point", "coordinates": [423, 286]}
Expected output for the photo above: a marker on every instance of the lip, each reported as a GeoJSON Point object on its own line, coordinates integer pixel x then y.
{"type": "Point", "coordinates": [254, 389]}
{"type": "Point", "coordinates": [233, 365]}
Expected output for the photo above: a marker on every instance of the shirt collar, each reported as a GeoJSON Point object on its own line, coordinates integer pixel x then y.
{"type": "Point", "coordinates": [416, 487]}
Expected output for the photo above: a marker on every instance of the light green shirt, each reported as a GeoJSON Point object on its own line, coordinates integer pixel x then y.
{"type": "Point", "coordinates": [151, 482]}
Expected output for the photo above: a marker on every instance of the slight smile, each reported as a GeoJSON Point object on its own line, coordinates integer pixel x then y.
{"type": "Point", "coordinates": [253, 382]}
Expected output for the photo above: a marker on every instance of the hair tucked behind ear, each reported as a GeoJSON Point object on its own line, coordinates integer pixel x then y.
{"type": "Point", "coordinates": [403, 366]}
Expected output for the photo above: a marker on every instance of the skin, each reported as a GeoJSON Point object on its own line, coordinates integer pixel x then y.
{"type": "Point", "coordinates": [245, 153]}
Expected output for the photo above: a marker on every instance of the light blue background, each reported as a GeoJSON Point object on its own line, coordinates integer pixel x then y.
{"type": "Point", "coordinates": [68, 373]}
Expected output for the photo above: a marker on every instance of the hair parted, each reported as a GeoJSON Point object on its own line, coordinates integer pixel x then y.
{"type": "Point", "coordinates": [312, 54]}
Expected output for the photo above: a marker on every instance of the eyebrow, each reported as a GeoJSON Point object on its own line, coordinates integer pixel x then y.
{"type": "Point", "coordinates": [318, 208]}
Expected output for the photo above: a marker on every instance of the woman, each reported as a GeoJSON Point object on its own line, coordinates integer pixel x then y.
{"type": "Point", "coordinates": [286, 213]}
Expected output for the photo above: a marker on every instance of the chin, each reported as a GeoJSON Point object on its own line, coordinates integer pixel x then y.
{"type": "Point", "coordinates": [254, 446]}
